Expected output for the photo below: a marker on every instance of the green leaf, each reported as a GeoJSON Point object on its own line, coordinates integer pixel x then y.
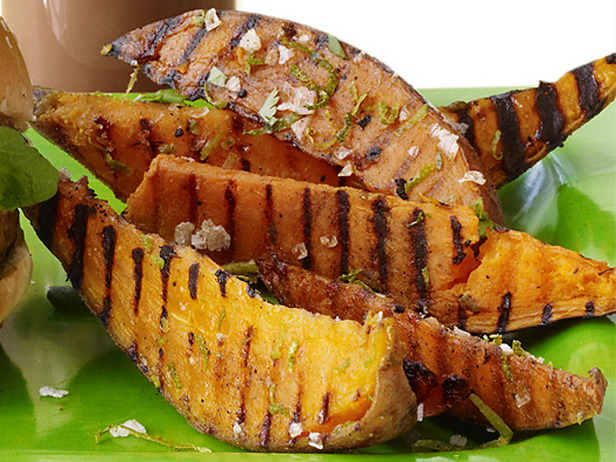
{"type": "Point", "coordinates": [217, 77]}
{"type": "Point", "coordinates": [268, 110]}
{"type": "Point", "coordinates": [26, 177]}
{"type": "Point", "coordinates": [335, 47]}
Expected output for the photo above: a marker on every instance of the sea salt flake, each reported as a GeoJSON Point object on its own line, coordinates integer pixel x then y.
{"type": "Point", "coordinates": [238, 430]}
{"type": "Point", "coordinates": [119, 431]}
{"type": "Point", "coordinates": [342, 153]}
{"type": "Point", "coordinates": [183, 233]}
{"type": "Point", "coordinates": [473, 176]}
{"type": "Point", "coordinates": [211, 236]}
{"type": "Point", "coordinates": [233, 84]}
{"type": "Point", "coordinates": [420, 412]}
{"type": "Point", "coordinates": [329, 241]}
{"type": "Point", "coordinates": [250, 41]}
{"type": "Point", "coordinates": [212, 21]}
{"type": "Point", "coordinates": [284, 54]}
{"type": "Point", "coordinates": [295, 429]}
{"type": "Point", "coordinates": [447, 141]}
{"type": "Point", "coordinates": [300, 251]}
{"type": "Point", "coordinates": [53, 392]}
{"type": "Point", "coordinates": [315, 440]}
{"type": "Point", "coordinates": [346, 171]}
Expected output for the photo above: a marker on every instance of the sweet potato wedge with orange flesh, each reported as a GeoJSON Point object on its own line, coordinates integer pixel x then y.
{"type": "Point", "coordinates": [351, 111]}
{"type": "Point", "coordinates": [524, 392]}
{"type": "Point", "coordinates": [116, 139]}
{"type": "Point", "coordinates": [513, 131]}
{"type": "Point", "coordinates": [427, 256]}
{"type": "Point", "coordinates": [253, 374]}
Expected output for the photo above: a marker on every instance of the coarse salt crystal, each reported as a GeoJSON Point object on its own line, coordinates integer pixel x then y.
{"type": "Point", "coordinates": [284, 54]}
{"type": "Point", "coordinates": [295, 429]}
{"type": "Point", "coordinates": [506, 348]}
{"type": "Point", "coordinates": [211, 236]}
{"type": "Point", "coordinates": [329, 241]}
{"type": "Point", "coordinates": [413, 151]}
{"type": "Point", "coordinates": [315, 440]}
{"type": "Point", "coordinates": [53, 392]}
{"type": "Point", "coordinates": [447, 141]}
{"type": "Point", "coordinates": [212, 21]}
{"type": "Point", "coordinates": [250, 41]}
{"type": "Point", "coordinates": [300, 251]}
{"type": "Point", "coordinates": [119, 431]}
{"type": "Point", "coordinates": [298, 99]}
{"type": "Point", "coordinates": [346, 171]}
{"type": "Point", "coordinates": [183, 232]}
{"type": "Point", "coordinates": [522, 398]}
{"type": "Point", "coordinates": [238, 431]}
{"type": "Point", "coordinates": [420, 412]}
{"type": "Point", "coordinates": [299, 128]}
{"type": "Point", "coordinates": [233, 84]}
{"type": "Point", "coordinates": [473, 176]}
{"type": "Point", "coordinates": [342, 153]}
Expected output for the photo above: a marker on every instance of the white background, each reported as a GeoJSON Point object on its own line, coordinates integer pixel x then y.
{"type": "Point", "coordinates": [463, 43]}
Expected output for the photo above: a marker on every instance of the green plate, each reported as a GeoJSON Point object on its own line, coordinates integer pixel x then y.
{"type": "Point", "coordinates": [568, 199]}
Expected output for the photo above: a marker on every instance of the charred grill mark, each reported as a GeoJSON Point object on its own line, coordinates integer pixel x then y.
{"type": "Point", "coordinates": [109, 243]}
{"type": "Point", "coordinates": [166, 253]}
{"type": "Point", "coordinates": [323, 413]}
{"type": "Point", "coordinates": [173, 75]}
{"type": "Point", "coordinates": [48, 211]}
{"type": "Point", "coordinates": [455, 388]}
{"type": "Point", "coordinates": [456, 227]}
{"type": "Point", "coordinates": [133, 352]}
{"type": "Point", "coordinates": [307, 262]}
{"type": "Point", "coordinates": [264, 433]}
{"type": "Point", "coordinates": [552, 120]}
{"type": "Point", "coordinates": [343, 226]}
{"type": "Point", "coordinates": [138, 275]}
{"type": "Point", "coordinates": [508, 124]}
{"type": "Point", "coordinates": [193, 275]}
{"type": "Point", "coordinates": [272, 232]}
{"type": "Point", "coordinates": [240, 417]}
{"type": "Point", "coordinates": [588, 90]}
{"type": "Point", "coordinates": [589, 309]}
{"type": "Point", "coordinates": [421, 379]}
{"type": "Point", "coordinates": [466, 120]}
{"type": "Point", "coordinates": [77, 232]}
{"type": "Point", "coordinates": [401, 188]}
{"type": "Point", "coordinates": [150, 49]}
{"type": "Point", "coordinates": [420, 244]}
{"type": "Point", "coordinates": [222, 276]}
{"type": "Point", "coordinates": [546, 315]}
{"type": "Point", "coordinates": [380, 210]}
{"type": "Point", "coordinates": [505, 311]}
{"type": "Point", "coordinates": [250, 23]}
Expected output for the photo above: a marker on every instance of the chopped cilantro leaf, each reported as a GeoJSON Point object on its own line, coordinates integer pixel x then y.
{"type": "Point", "coordinates": [335, 47]}
{"type": "Point", "coordinates": [217, 77]}
{"type": "Point", "coordinates": [268, 110]}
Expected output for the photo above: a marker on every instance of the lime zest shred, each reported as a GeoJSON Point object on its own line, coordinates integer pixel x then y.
{"type": "Point", "coordinates": [343, 366]}
{"type": "Point", "coordinates": [351, 278]}
{"type": "Point", "coordinates": [133, 79]}
{"type": "Point", "coordinates": [278, 125]}
{"type": "Point", "coordinates": [177, 446]}
{"type": "Point", "coordinates": [212, 101]}
{"type": "Point", "coordinates": [241, 267]}
{"type": "Point", "coordinates": [210, 146]}
{"type": "Point", "coordinates": [506, 368]}
{"type": "Point", "coordinates": [221, 318]}
{"type": "Point", "coordinates": [205, 353]}
{"type": "Point", "coordinates": [424, 173]}
{"type": "Point", "coordinates": [252, 61]}
{"type": "Point", "coordinates": [113, 163]}
{"type": "Point", "coordinates": [387, 114]}
{"type": "Point", "coordinates": [414, 119]}
{"type": "Point", "coordinates": [274, 407]}
{"type": "Point", "coordinates": [497, 136]}
{"type": "Point", "coordinates": [166, 148]}
{"type": "Point", "coordinates": [505, 433]}
{"type": "Point", "coordinates": [292, 351]}
{"type": "Point", "coordinates": [174, 376]}
{"type": "Point", "coordinates": [516, 346]}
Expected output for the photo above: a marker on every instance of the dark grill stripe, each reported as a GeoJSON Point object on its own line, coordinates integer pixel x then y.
{"type": "Point", "coordinates": [193, 275]}
{"type": "Point", "coordinates": [138, 275]}
{"type": "Point", "coordinates": [250, 23]}
{"type": "Point", "coordinates": [77, 232]}
{"type": "Point", "coordinates": [505, 311]}
{"type": "Point", "coordinates": [552, 120]}
{"type": "Point", "coordinates": [513, 147]}
{"type": "Point", "coordinates": [589, 310]}
{"type": "Point", "coordinates": [166, 26]}
{"type": "Point", "coordinates": [104, 315]}
{"type": "Point", "coordinates": [380, 210]}
{"type": "Point", "coordinates": [546, 315]}
{"type": "Point", "coordinates": [166, 253]}
{"type": "Point", "coordinates": [109, 243]}
{"type": "Point", "coordinates": [222, 276]}
{"type": "Point", "coordinates": [465, 119]}
{"type": "Point", "coordinates": [588, 90]}
{"type": "Point", "coordinates": [47, 220]}
{"type": "Point", "coordinates": [264, 433]}
{"type": "Point", "coordinates": [462, 319]}
{"type": "Point", "coordinates": [307, 262]}
{"type": "Point", "coordinates": [323, 414]}
{"type": "Point", "coordinates": [173, 75]}
{"type": "Point", "coordinates": [456, 227]}
{"type": "Point", "coordinates": [343, 226]}
{"type": "Point", "coordinates": [420, 249]}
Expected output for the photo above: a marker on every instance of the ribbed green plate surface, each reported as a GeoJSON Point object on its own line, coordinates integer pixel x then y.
{"type": "Point", "coordinates": [569, 199]}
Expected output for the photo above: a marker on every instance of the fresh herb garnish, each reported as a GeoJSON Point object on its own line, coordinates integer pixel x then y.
{"type": "Point", "coordinates": [388, 115]}
{"type": "Point", "coordinates": [268, 110]}
{"type": "Point", "coordinates": [26, 177]}
{"type": "Point", "coordinates": [217, 77]}
{"type": "Point", "coordinates": [484, 222]}
{"type": "Point", "coordinates": [424, 173]}
{"type": "Point", "coordinates": [335, 47]}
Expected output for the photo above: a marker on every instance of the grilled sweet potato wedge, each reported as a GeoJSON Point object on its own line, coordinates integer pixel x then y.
{"type": "Point", "coordinates": [116, 139]}
{"type": "Point", "coordinates": [524, 392]}
{"type": "Point", "coordinates": [256, 375]}
{"type": "Point", "coordinates": [427, 256]}
{"type": "Point", "coordinates": [342, 105]}
{"type": "Point", "coordinates": [513, 131]}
